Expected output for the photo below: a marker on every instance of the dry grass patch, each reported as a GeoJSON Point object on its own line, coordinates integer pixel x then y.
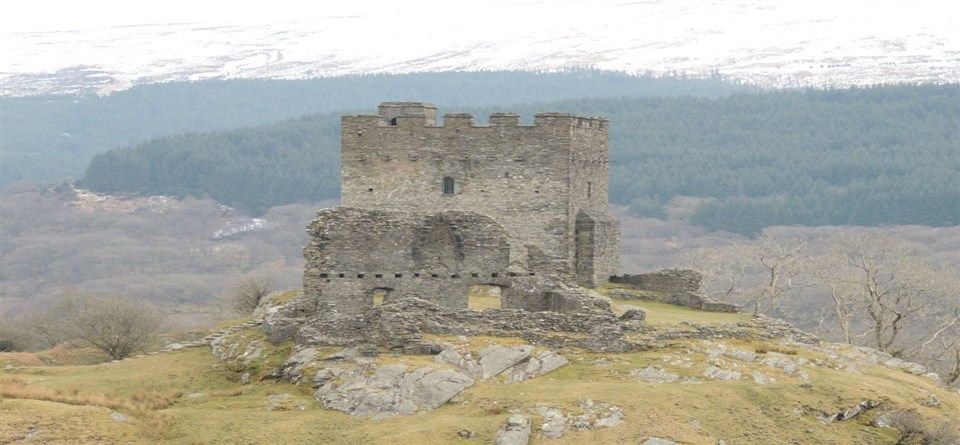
{"type": "Point", "coordinates": [17, 388]}
{"type": "Point", "coordinates": [20, 359]}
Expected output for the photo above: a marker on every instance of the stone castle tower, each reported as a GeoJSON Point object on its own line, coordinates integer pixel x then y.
{"type": "Point", "coordinates": [432, 209]}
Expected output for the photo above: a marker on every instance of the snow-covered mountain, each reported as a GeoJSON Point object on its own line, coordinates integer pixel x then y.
{"type": "Point", "coordinates": [772, 43]}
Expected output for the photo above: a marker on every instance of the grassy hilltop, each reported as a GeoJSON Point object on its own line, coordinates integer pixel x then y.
{"type": "Point", "coordinates": [191, 397]}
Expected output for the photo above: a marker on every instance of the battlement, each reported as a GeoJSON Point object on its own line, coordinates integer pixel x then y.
{"type": "Point", "coordinates": [420, 114]}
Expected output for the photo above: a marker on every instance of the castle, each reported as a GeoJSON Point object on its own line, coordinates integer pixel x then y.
{"type": "Point", "coordinates": [430, 210]}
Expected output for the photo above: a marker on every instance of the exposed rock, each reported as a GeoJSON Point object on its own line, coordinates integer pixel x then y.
{"type": "Point", "coordinates": [294, 366]}
{"type": "Point", "coordinates": [592, 415]}
{"type": "Point", "coordinates": [893, 363]}
{"type": "Point", "coordinates": [739, 354]}
{"type": "Point", "coordinates": [119, 417]}
{"type": "Point", "coordinates": [930, 401]}
{"type": "Point", "coordinates": [391, 390]}
{"type": "Point", "coordinates": [495, 359]}
{"type": "Point", "coordinates": [654, 374]}
{"type": "Point", "coordinates": [245, 378]}
{"type": "Point", "coordinates": [658, 441]}
{"type": "Point", "coordinates": [466, 434]}
{"type": "Point", "coordinates": [933, 376]}
{"type": "Point", "coordinates": [858, 409]}
{"type": "Point", "coordinates": [882, 420]}
{"type": "Point", "coordinates": [788, 366]}
{"type": "Point", "coordinates": [553, 426]}
{"type": "Point", "coordinates": [759, 378]}
{"type": "Point", "coordinates": [344, 354]}
{"type": "Point", "coordinates": [716, 373]}
{"type": "Point", "coordinates": [545, 362]}
{"type": "Point", "coordinates": [515, 432]}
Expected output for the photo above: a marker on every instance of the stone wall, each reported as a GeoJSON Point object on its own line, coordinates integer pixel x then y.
{"type": "Point", "coordinates": [672, 286]}
{"type": "Point", "coordinates": [400, 324]}
{"type": "Point", "coordinates": [355, 254]}
{"type": "Point", "coordinates": [666, 280]}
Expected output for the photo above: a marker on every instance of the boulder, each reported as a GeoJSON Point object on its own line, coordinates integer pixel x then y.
{"type": "Point", "coordinates": [495, 359]}
{"type": "Point", "coordinates": [515, 432]}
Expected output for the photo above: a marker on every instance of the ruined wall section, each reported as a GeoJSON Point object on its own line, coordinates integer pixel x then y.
{"type": "Point", "coordinates": [355, 254]}
{"type": "Point", "coordinates": [516, 175]}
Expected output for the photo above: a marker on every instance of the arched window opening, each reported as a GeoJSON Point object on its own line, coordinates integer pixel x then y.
{"type": "Point", "coordinates": [447, 185]}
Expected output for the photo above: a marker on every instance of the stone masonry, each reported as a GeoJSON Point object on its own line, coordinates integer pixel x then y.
{"type": "Point", "coordinates": [429, 210]}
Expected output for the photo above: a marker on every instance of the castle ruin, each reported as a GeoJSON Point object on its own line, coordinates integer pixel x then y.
{"type": "Point", "coordinates": [430, 210]}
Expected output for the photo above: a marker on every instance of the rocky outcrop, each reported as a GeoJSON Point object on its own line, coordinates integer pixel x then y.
{"type": "Point", "coordinates": [589, 415]}
{"type": "Point", "coordinates": [518, 363]}
{"type": "Point", "coordinates": [393, 390]}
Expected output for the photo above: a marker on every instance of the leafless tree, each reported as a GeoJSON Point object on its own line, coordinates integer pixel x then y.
{"type": "Point", "coordinates": [759, 273]}
{"type": "Point", "coordinates": [248, 292]}
{"type": "Point", "coordinates": [783, 264]}
{"type": "Point", "coordinates": [880, 277]}
{"type": "Point", "coordinates": [118, 326]}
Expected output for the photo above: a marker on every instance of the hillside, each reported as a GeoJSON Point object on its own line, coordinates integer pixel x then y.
{"type": "Point", "coordinates": [54, 137]}
{"type": "Point", "coordinates": [870, 156]}
{"type": "Point", "coordinates": [821, 44]}
{"type": "Point", "coordinates": [774, 390]}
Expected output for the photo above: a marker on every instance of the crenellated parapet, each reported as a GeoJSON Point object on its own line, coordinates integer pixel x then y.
{"type": "Point", "coordinates": [406, 115]}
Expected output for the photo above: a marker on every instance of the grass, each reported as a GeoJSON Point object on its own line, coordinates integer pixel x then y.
{"type": "Point", "coordinates": [189, 397]}
{"type": "Point", "coordinates": [668, 314]}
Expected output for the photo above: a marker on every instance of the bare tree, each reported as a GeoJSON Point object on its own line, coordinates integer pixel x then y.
{"type": "Point", "coordinates": [783, 264]}
{"type": "Point", "coordinates": [118, 326]}
{"type": "Point", "coordinates": [723, 269]}
{"type": "Point", "coordinates": [759, 273]}
{"type": "Point", "coordinates": [247, 293]}
{"type": "Point", "coordinates": [880, 277]}
{"type": "Point", "coordinates": [844, 308]}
